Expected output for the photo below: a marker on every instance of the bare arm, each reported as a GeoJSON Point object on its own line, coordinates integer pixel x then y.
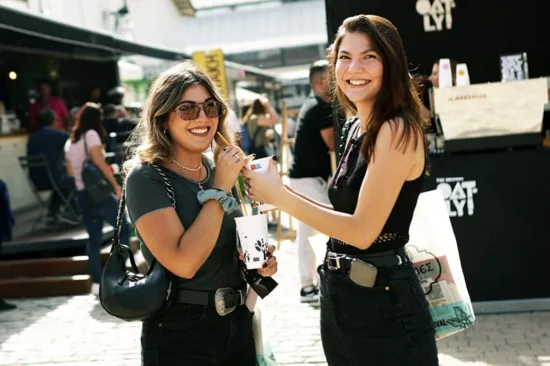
{"type": "Point", "coordinates": [317, 203]}
{"type": "Point", "coordinates": [96, 153]}
{"type": "Point", "coordinates": [181, 251]}
{"type": "Point", "coordinates": [270, 118]}
{"type": "Point", "coordinates": [70, 172]}
{"type": "Point", "coordinates": [328, 137]}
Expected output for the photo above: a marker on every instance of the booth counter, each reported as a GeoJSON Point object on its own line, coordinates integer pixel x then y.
{"type": "Point", "coordinates": [495, 177]}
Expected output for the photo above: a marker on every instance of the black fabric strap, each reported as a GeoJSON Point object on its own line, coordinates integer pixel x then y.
{"type": "Point", "coordinates": [116, 245]}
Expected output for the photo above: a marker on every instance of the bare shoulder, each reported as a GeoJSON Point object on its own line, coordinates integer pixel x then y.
{"type": "Point", "coordinates": [396, 134]}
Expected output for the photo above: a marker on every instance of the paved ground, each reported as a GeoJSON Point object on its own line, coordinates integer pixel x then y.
{"type": "Point", "coordinates": [76, 331]}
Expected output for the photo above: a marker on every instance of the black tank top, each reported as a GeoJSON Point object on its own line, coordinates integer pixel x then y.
{"type": "Point", "coordinates": [344, 192]}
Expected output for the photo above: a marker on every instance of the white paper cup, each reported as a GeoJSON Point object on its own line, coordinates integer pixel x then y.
{"type": "Point", "coordinates": [445, 73]}
{"type": "Point", "coordinates": [462, 76]}
{"type": "Point", "coordinates": [252, 240]}
{"type": "Point", "coordinates": [261, 166]}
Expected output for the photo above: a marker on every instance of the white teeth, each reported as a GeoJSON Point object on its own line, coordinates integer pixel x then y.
{"type": "Point", "coordinates": [357, 82]}
{"type": "Point", "coordinates": [199, 131]}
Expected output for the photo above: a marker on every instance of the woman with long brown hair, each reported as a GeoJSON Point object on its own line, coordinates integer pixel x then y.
{"type": "Point", "coordinates": [86, 143]}
{"type": "Point", "coordinates": [194, 236]}
{"type": "Point", "coordinates": [259, 118]}
{"type": "Point", "coordinates": [373, 309]}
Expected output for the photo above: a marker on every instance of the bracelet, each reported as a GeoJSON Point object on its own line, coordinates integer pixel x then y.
{"type": "Point", "coordinates": [229, 203]}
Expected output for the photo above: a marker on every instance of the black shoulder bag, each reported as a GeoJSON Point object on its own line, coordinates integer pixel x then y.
{"type": "Point", "coordinates": [130, 295]}
{"type": "Point", "coordinates": [95, 183]}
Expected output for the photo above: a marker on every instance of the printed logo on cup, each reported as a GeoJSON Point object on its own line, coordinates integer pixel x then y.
{"type": "Point", "coordinates": [256, 166]}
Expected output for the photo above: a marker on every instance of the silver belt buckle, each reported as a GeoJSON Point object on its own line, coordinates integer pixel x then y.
{"type": "Point", "coordinates": [400, 260]}
{"type": "Point", "coordinates": [336, 258]}
{"type": "Point", "coordinates": [219, 301]}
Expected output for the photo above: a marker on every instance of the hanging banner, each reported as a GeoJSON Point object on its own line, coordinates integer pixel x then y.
{"type": "Point", "coordinates": [212, 63]}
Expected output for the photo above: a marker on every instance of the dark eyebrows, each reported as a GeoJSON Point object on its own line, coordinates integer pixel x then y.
{"type": "Point", "coordinates": [344, 52]}
{"type": "Point", "coordinates": [193, 102]}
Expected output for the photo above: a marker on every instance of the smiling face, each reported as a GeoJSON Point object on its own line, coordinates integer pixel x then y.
{"type": "Point", "coordinates": [191, 132]}
{"type": "Point", "coordinates": [359, 69]}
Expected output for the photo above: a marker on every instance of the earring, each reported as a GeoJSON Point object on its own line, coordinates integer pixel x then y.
{"type": "Point", "coordinates": [165, 131]}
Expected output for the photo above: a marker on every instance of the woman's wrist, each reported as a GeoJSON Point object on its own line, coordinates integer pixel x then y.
{"type": "Point", "coordinates": [228, 202]}
{"type": "Point", "coordinates": [285, 198]}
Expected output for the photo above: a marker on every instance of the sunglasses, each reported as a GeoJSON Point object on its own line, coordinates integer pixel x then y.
{"type": "Point", "coordinates": [192, 110]}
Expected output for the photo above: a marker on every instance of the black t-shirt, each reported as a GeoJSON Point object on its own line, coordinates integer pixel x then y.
{"type": "Point", "coordinates": [311, 154]}
{"type": "Point", "coordinates": [146, 192]}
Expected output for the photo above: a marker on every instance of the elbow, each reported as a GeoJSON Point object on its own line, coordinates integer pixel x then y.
{"type": "Point", "coordinates": [186, 271]}
{"type": "Point", "coordinates": [364, 244]}
{"type": "Point", "coordinates": [365, 240]}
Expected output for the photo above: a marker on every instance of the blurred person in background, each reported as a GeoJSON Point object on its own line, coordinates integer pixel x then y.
{"type": "Point", "coordinates": [116, 97]}
{"type": "Point", "coordinates": [260, 119]}
{"type": "Point", "coordinates": [88, 128]}
{"type": "Point", "coordinates": [311, 167]}
{"type": "Point", "coordinates": [45, 100]}
{"type": "Point", "coordinates": [50, 141]}
{"type": "Point", "coordinates": [434, 76]}
{"type": "Point", "coordinates": [114, 120]}
{"type": "Point", "coordinates": [94, 95]}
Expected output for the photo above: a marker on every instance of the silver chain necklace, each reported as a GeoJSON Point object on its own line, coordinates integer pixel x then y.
{"type": "Point", "coordinates": [186, 168]}
{"type": "Point", "coordinates": [199, 183]}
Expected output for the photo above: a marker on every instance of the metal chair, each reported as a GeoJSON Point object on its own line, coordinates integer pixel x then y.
{"type": "Point", "coordinates": [40, 162]}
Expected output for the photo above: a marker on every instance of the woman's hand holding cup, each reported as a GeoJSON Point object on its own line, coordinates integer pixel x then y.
{"type": "Point", "coordinates": [229, 163]}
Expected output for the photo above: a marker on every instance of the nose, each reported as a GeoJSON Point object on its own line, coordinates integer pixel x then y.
{"type": "Point", "coordinates": [202, 113]}
{"type": "Point", "coordinates": [355, 65]}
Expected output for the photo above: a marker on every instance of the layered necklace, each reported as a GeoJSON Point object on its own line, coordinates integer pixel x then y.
{"type": "Point", "coordinates": [193, 170]}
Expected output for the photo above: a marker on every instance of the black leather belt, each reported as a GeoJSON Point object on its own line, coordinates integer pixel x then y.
{"type": "Point", "coordinates": [342, 262]}
{"type": "Point", "coordinates": [224, 299]}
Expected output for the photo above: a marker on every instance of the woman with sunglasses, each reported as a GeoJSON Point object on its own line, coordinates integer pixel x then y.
{"type": "Point", "coordinates": [373, 309]}
{"type": "Point", "coordinates": [196, 239]}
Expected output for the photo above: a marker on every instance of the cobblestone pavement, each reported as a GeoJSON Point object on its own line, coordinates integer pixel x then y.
{"type": "Point", "coordinates": [76, 331]}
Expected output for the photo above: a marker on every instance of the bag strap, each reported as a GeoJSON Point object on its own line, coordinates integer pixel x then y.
{"type": "Point", "coordinates": [348, 130]}
{"type": "Point", "coordinates": [122, 208]}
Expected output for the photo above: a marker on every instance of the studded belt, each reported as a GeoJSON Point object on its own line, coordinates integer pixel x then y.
{"type": "Point", "coordinates": [224, 299]}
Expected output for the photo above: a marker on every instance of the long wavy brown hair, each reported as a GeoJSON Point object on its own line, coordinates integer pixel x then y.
{"type": "Point", "coordinates": [149, 142]}
{"type": "Point", "coordinates": [398, 94]}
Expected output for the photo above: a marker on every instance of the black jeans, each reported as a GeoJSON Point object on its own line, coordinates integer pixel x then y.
{"type": "Point", "coordinates": [194, 335]}
{"type": "Point", "coordinates": [387, 325]}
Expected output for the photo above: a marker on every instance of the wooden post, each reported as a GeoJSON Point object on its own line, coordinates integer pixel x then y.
{"type": "Point", "coordinates": [283, 170]}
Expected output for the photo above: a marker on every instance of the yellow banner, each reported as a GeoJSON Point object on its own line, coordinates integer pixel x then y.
{"type": "Point", "coordinates": [212, 64]}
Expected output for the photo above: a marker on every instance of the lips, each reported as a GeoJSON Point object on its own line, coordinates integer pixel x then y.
{"type": "Point", "coordinates": [199, 131]}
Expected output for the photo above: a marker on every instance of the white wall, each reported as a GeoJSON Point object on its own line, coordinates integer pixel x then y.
{"type": "Point", "coordinates": [158, 22]}
{"type": "Point", "coordinates": [293, 24]}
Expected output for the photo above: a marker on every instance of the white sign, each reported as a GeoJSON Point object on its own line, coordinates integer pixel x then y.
{"type": "Point", "coordinates": [458, 194]}
{"type": "Point", "coordinates": [437, 14]}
